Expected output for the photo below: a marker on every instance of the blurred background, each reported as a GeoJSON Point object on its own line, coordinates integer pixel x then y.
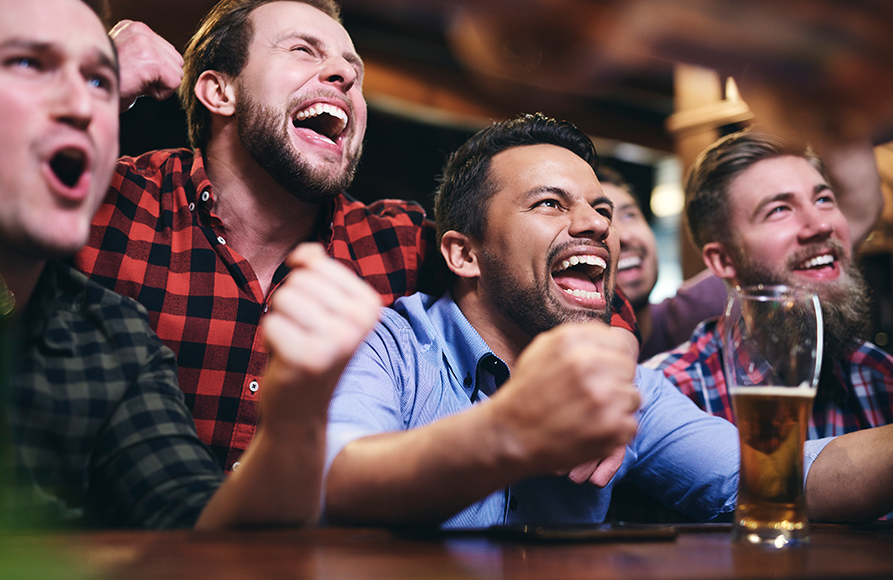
{"type": "Point", "coordinates": [648, 80]}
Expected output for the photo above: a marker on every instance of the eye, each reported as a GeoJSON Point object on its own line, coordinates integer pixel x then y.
{"type": "Point", "coordinates": [302, 48]}
{"type": "Point", "coordinates": [777, 210]}
{"type": "Point", "coordinates": [101, 82]}
{"type": "Point", "coordinates": [607, 212]}
{"type": "Point", "coordinates": [552, 203]}
{"type": "Point", "coordinates": [24, 62]}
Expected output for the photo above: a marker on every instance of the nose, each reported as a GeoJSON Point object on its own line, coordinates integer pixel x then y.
{"type": "Point", "coordinates": [339, 71]}
{"type": "Point", "coordinates": [816, 224]}
{"type": "Point", "coordinates": [72, 102]}
{"type": "Point", "coordinates": [588, 222]}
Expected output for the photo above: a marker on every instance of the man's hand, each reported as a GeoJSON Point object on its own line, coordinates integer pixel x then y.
{"type": "Point", "coordinates": [320, 315]}
{"type": "Point", "coordinates": [149, 64]}
{"type": "Point", "coordinates": [570, 399]}
{"type": "Point", "coordinates": [598, 472]}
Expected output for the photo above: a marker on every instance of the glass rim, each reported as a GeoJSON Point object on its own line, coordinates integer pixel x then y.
{"type": "Point", "coordinates": [770, 291]}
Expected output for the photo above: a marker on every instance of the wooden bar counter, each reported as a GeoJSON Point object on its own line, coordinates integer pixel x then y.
{"type": "Point", "coordinates": [699, 551]}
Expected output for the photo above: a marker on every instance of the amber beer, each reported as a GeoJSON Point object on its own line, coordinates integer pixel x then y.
{"type": "Point", "coordinates": [772, 424]}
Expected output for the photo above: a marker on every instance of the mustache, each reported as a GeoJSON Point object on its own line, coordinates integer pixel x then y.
{"type": "Point", "coordinates": [561, 248]}
{"type": "Point", "coordinates": [834, 246]}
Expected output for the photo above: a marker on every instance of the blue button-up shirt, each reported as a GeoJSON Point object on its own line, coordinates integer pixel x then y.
{"type": "Point", "coordinates": [424, 361]}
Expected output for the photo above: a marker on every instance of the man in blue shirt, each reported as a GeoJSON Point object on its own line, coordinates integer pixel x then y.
{"type": "Point", "coordinates": [473, 409]}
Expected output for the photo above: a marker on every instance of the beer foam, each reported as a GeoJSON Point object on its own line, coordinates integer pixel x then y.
{"type": "Point", "coordinates": [802, 390]}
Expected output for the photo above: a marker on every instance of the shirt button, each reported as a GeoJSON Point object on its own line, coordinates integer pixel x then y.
{"type": "Point", "coordinates": [266, 308]}
{"type": "Point", "coordinates": [237, 465]}
{"type": "Point", "coordinates": [513, 503]}
{"type": "Point", "coordinates": [221, 240]}
{"type": "Point", "coordinates": [206, 195]}
{"type": "Point", "coordinates": [191, 206]}
{"type": "Point", "coordinates": [253, 386]}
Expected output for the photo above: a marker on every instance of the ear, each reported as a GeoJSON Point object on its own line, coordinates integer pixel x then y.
{"type": "Point", "coordinates": [719, 260]}
{"type": "Point", "coordinates": [217, 92]}
{"type": "Point", "coordinates": [460, 254]}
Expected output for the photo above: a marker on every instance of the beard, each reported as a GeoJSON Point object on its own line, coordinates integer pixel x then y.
{"type": "Point", "coordinates": [267, 141]}
{"type": "Point", "coordinates": [531, 306]}
{"type": "Point", "coordinates": [845, 309]}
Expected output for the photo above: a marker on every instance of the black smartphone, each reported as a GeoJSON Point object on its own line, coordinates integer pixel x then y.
{"type": "Point", "coordinates": [609, 532]}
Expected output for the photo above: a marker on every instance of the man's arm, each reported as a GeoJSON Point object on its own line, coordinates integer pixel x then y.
{"type": "Point", "coordinates": [851, 480]}
{"type": "Point", "coordinates": [570, 399]}
{"type": "Point", "coordinates": [320, 314]}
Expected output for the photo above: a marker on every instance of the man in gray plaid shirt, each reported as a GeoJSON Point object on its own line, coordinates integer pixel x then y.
{"type": "Point", "coordinates": [101, 434]}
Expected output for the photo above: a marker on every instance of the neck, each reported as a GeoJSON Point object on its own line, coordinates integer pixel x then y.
{"type": "Point", "coordinates": [20, 275]}
{"type": "Point", "coordinates": [505, 339]}
{"type": "Point", "coordinates": [643, 320]}
{"type": "Point", "coordinates": [263, 222]}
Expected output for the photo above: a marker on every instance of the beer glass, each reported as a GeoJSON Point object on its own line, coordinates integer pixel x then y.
{"type": "Point", "coordinates": [772, 353]}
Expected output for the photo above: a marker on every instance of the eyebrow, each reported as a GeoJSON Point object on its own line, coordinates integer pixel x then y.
{"type": "Point", "coordinates": [565, 196]}
{"type": "Point", "coordinates": [317, 43]}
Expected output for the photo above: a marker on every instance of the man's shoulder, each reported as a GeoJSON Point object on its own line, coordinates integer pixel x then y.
{"type": "Point", "coordinates": [705, 342]}
{"type": "Point", "coordinates": [387, 210]}
{"type": "Point", "coordinates": [160, 161]}
{"type": "Point", "coordinates": [869, 355]}
{"type": "Point", "coordinates": [107, 311]}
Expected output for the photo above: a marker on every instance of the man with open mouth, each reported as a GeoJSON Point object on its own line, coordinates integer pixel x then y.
{"type": "Point", "coordinates": [763, 212]}
{"type": "Point", "coordinates": [508, 400]}
{"type": "Point", "coordinates": [273, 95]}
{"type": "Point", "coordinates": [95, 431]}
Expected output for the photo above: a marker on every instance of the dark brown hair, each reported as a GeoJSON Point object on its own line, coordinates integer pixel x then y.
{"type": "Point", "coordinates": [707, 207]}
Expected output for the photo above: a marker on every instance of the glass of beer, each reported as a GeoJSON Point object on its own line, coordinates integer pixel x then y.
{"type": "Point", "coordinates": [772, 353]}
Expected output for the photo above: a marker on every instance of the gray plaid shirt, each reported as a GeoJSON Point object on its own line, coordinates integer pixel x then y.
{"type": "Point", "coordinates": [101, 431]}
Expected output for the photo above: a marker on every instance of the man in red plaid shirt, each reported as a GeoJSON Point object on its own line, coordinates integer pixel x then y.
{"type": "Point", "coordinates": [272, 92]}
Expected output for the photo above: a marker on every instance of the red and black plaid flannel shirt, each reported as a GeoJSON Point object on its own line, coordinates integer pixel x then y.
{"type": "Point", "coordinates": [156, 239]}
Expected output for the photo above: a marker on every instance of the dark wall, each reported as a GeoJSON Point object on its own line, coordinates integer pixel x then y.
{"type": "Point", "coordinates": [402, 158]}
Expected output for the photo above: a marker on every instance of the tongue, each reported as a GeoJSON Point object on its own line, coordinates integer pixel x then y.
{"type": "Point", "coordinates": [572, 280]}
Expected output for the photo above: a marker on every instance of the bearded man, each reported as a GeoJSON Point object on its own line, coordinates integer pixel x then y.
{"type": "Point", "coordinates": [508, 400]}
{"type": "Point", "coordinates": [763, 212]}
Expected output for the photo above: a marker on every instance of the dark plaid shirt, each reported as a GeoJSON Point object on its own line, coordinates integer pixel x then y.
{"type": "Point", "coordinates": [157, 239]}
{"type": "Point", "coordinates": [99, 425]}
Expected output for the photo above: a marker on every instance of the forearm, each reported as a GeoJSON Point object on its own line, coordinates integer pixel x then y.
{"type": "Point", "coordinates": [279, 482]}
{"type": "Point", "coordinates": [850, 479]}
{"type": "Point", "coordinates": [424, 475]}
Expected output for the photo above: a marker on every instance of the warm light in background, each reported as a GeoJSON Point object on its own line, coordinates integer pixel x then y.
{"type": "Point", "coordinates": [667, 198]}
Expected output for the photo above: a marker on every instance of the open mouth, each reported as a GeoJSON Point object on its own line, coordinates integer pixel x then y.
{"type": "Point", "coordinates": [322, 118]}
{"type": "Point", "coordinates": [628, 263]}
{"type": "Point", "coordinates": [580, 276]}
{"type": "Point", "coordinates": [68, 165]}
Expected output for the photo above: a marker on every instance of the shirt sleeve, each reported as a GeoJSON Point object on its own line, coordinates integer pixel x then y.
{"type": "Point", "coordinates": [366, 400]}
{"type": "Point", "coordinates": [149, 468]}
{"type": "Point", "coordinates": [684, 457]}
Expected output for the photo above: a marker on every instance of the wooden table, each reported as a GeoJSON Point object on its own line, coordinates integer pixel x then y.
{"type": "Point", "coordinates": [357, 553]}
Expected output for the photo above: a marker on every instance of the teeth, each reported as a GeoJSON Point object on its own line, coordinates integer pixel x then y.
{"type": "Point", "coordinates": [319, 109]}
{"type": "Point", "coordinates": [590, 260]}
{"type": "Point", "coordinates": [818, 261]}
{"type": "Point", "coordinates": [629, 262]}
{"type": "Point", "coordinates": [583, 294]}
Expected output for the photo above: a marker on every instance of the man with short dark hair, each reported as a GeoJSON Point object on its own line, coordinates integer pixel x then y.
{"type": "Point", "coordinates": [273, 95]}
{"type": "Point", "coordinates": [469, 410]}
{"type": "Point", "coordinates": [763, 212]}
{"type": "Point", "coordinates": [100, 432]}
